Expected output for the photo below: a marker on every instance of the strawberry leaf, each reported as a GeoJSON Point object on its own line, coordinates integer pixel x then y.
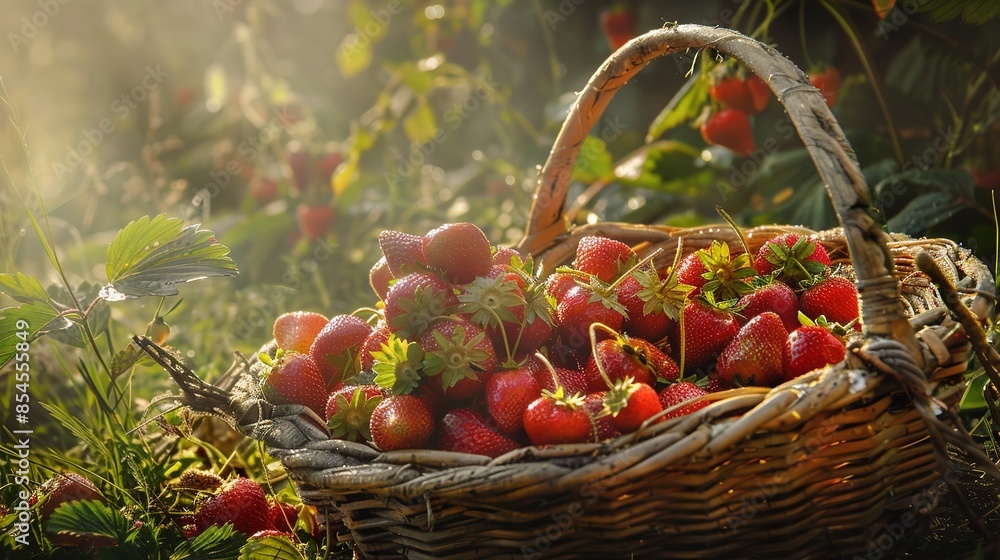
{"type": "Point", "coordinates": [272, 547]}
{"type": "Point", "coordinates": [89, 518]}
{"type": "Point", "coordinates": [215, 542]}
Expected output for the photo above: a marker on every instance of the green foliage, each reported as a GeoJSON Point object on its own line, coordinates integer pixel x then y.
{"type": "Point", "coordinates": [214, 543]}
{"type": "Point", "coordinates": [90, 518]}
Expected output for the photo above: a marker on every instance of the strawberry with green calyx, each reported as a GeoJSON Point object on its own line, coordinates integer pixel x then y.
{"type": "Point", "coordinates": [459, 250]}
{"type": "Point", "coordinates": [508, 394]}
{"type": "Point", "coordinates": [792, 258]}
{"type": "Point", "coordinates": [373, 343]}
{"type": "Point", "coordinates": [293, 378]}
{"type": "Point", "coordinates": [705, 328]}
{"type": "Point", "coordinates": [503, 256]}
{"type": "Point", "coordinates": [724, 275]}
{"type": "Point", "coordinates": [464, 430]}
{"type": "Point", "coordinates": [755, 355]}
{"type": "Point", "coordinates": [336, 349]}
{"type": "Point", "coordinates": [349, 411]}
{"type": "Point", "coordinates": [616, 358]}
{"type": "Point", "coordinates": [416, 301]}
{"type": "Point", "coordinates": [403, 252]}
{"type": "Point", "coordinates": [556, 417]}
{"type": "Point", "coordinates": [653, 304]}
{"type": "Point", "coordinates": [771, 295]}
{"type": "Point", "coordinates": [296, 330]}
{"type": "Point", "coordinates": [493, 303]}
{"type": "Point", "coordinates": [835, 298]}
{"type": "Point", "coordinates": [683, 398]}
{"type": "Point", "coordinates": [810, 347]}
{"type": "Point", "coordinates": [239, 501]}
{"type": "Point", "coordinates": [401, 422]}
{"type": "Point", "coordinates": [459, 356]}
{"type": "Point", "coordinates": [603, 257]}
{"type": "Point", "coordinates": [631, 403]}
{"type": "Point", "coordinates": [398, 365]}
{"type": "Point", "coordinates": [603, 428]}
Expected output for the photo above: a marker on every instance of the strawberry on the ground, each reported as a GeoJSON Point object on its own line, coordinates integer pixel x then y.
{"type": "Point", "coordinates": [810, 347]}
{"type": "Point", "coordinates": [827, 81]}
{"type": "Point", "coordinates": [459, 356]}
{"type": "Point", "coordinates": [64, 488]}
{"type": "Point", "coordinates": [682, 392]}
{"type": "Point", "coordinates": [403, 252]}
{"type": "Point", "coordinates": [379, 277]}
{"type": "Point", "coordinates": [239, 501]}
{"type": "Point", "coordinates": [460, 250]}
{"type": "Point", "coordinates": [466, 431]}
{"type": "Point", "coordinates": [776, 297]}
{"type": "Point", "coordinates": [415, 301]}
{"type": "Point", "coordinates": [556, 417]}
{"type": "Point", "coordinates": [794, 257]}
{"type": "Point", "coordinates": [631, 403]}
{"type": "Point", "coordinates": [373, 343]}
{"type": "Point", "coordinates": [283, 516]}
{"type": "Point", "coordinates": [708, 327]}
{"type": "Point", "coordinates": [755, 356]}
{"type": "Point", "coordinates": [603, 428]}
{"type": "Point", "coordinates": [294, 378]}
{"type": "Point", "coordinates": [401, 422]}
{"type": "Point", "coordinates": [349, 411]}
{"type": "Point", "coordinates": [314, 220]}
{"type": "Point", "coordinates": [336, 349]}
{"type": "Point", "coordinates": [603, 257]}
{"type": "Point", "coordinates": [732, 91]}
{"type": "Point", "coordinates": [835, 298]}
{"type": "Point", "coordinates": [296, 330]}
{"type": "Point", "coordinates": [729, 128]}
{"type": "Point", "coordinates": [760, 92]}
{"type": "Point", "coordinates": [619, 25]}
{"type": "Point", "coordinates": [508, 394]}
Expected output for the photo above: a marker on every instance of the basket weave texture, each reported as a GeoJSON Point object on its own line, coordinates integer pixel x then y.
{"type": "Point", "coordinates": [829, 465]}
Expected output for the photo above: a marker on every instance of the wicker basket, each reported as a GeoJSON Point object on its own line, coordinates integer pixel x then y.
{"type": "Point", "coordinates": [844, 461]}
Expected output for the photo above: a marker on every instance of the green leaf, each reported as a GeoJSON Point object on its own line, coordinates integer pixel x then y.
{"type": "Point", "coordinates": [149, 256]}
{"type": "Point", "coordinates": [354, 54]}
{"type": "Point", "coordinates": [642, 167]}
{"type": "Point", "coordinates": [594, 161]}
{"type": "Point", "coordinates": [22, 288]}
{"type": "Point", "coordinates": [685, 106]}
{"type": "Point", "coordinates": [214, 543]}
{"type": "Point", "coordinates": [89, 518]}
{"type": "Point", "coordinates": [975, 393]}
{"type": "Point", "coordinates": [25, 323]}
{"type": "Point", "coordinates": [924, 212]}
{"type": "Point", "coordinates": [270, 547]}
{"type": "Point", "coordinates": [420, 125]}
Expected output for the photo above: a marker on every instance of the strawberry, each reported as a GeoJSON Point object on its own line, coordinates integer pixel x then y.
{"type": "Point", "coordinates": [776, 297]}
{"type": "Point", "coordinates": [263, 190]}
{"type": "Point", "coordinates": [494, 303]}
{"type": "Point", "coordinates": [618, 24]}
{"type": "Point", "coordinates": [466, 431]}
{"type": "Point", "coordinates": [631, 404]}
{"type": "Point", "coordinates": [336, 349]}
{"type": "Point", "coordinates": [729, 128]}
{"type": "Point", "coordinates": [459, 356]}
{"type": "Point", "coordinates": [314, 220]}
{"type": "Point", "coordinates": [721, 274]}
{"type": "Point", "coordinates": [298, 160]}
{"type": "Point", "coordinates": [707, 328]}
{"type": "Point", "coordinates": [239, 501]}
{"type": "Point", "coordinates": [556, 418]}
{"type": "Point", "coordinates": [760, 93]}
{"type": "Point", "coordinates": [572, 380]}
{"type": "Point", "coordinates": [733, 92]}
{"type": "Point", "coordinates": [296, 330]}
{"type": "Point", "coordinates": [808, 348]}
{"type": "Point", "coordinates": [294, 379]}
{"type": "Point", "coordinates": [401, 422]}
{"type": "Point", "coordinates": [398, 365]}
{"type": "Point", "coordinates": [603, 428]}
{"type": "Point", "coordinates": [581, 306]}
{"type": "Point", "coordinates": [349, 411]}
{"type": "Point", "coordinates": [508, 394]}
{"type": "Point", "coordinates": [504, 256]}
{"type": "Point", "coordinates": [460, 250]}
{"type": "Point", "coordinates": [835, 298]}
{"type": "Point", "coordinates": [715, 384]}
{"type": "Point", "coordinates": [373, 343]}
{"type": "Point", "coordinates": [755, 355]}
{"type": "Point", "coordinates": [652, 304]}
{"type": "Point", "coordinates": [662, 364]}
{"type": "Point", "coordinates": [792, 258]}
{"type": "Point", "coordinates": [327, 165]}
{"type": "Point", "coordinates": [415, 301]}
{"type": "Point", "coordinates": [557, 284]}
{"type": "Point", "coordinates": [379, 277]}
{"type": "Point", "coordinates": [614, 359]}
{"type": "Point", "coordinates": [603, 257]}
{"type": "Point", "coordinates": [679, 393]}
{"type": "Point", "coordinates": [64, 488]}
{"type": "Point", "coordinates": [827, 82]}
{"type": "Point", "coordinates": [403, 252]}
{"type": "Point", "coordinates": [283, 516]}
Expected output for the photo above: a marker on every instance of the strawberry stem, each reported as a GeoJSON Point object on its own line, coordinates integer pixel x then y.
{"type": "Point", "coordinates": [595, 353]}
{"type": "Point", "coordinates": [739, 232]}
{"type": "Point", "coordinates": [552, 371]}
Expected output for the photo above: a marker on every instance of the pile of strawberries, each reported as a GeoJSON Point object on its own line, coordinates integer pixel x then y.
{"type": "Point", "coordinates": [470, 350]}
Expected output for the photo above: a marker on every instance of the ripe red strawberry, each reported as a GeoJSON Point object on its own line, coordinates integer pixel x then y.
{"type": "Point", "coordinates": [298, 160]}
{"type": "Point", "coordinates": [403, 252]}
{"type": "Point", "coordinates": [793, 257]}
{"type": "Point", "coordinates": [733, 92]}
{"type": "Point", "coordinates": [401, 422]}
{"type": "Point", "coordinates": [620, 358]}
{"type": "Point", "coordinates": [283, 516]}
{"type": "Point", "coordinates": [508, 394]}
{"type": "Point", "coordinates": [295, 379]}
{"type": "Point", "coordinates": [557, 284]}
{"type": "Point", "coordinates": [729, 128]}
{"type": "Point", "coordinates": [581, 306]}
{"type": "Point", "coordinates": [504, 256]}
{"type": "Point", "coordinates": [836, 298]}
{"type": "Point", "coordinates": [755, 355]}
{"type": "Point", "coordinates": [678, 393]}
{"type": "Point", "coordinates": [399, 366]}
{"type": "Point", "coordinates": [349, 411]}
{"type": "Point", "coordinates": [314, 220]}
{"type": "Point", "coordinates": [720, 273]}
{"type": "Point", "coordinates": [263, 190]}
{"type": "Point", "coordinates": [373, 343]}
{"type": "Point", "coordinates": [556, 418]}
{"type": "Point", "coordinates": [619, 26]}
{"type": "Point", "coordinates": [652, 303]}
{"type": "Point", "coordinates": [336, 349]}
{"type": "Point", "coordinates": [379, 277]}
{"type": "Point", "coordinates": [631, 404]}
{"type": "Point", "coordinates": [64, 488]}
{"type": "Point", "coordinates": [296, 330]}
{"type": "Point", "coordinates": [496, 304]}
{"type": "Point", "coordinates": [808, 348]}
{"type": "Point", "coordinates": [327, 165]}
{"type": "Point", "coordinates": [828, 83]}
{"type": "Point", "coordinates": [459, 356]}
{"type": "Point", "coordinates": [707, 330]}
{"type": "Point", "coordinates": [460, 250]}
{"type": "Point", "coordinates": [603, 257]}
{"type": "Point", "coordinates": [241, 502]}
{"type": "Point", "coordinates": [466, 431]}
{"type": "Point", "coordinates": [663, 366]}
{"type": "Point", "coordinates": [760, 93]}
{"type": "Point", "coordinates": [715, 384]}
{"type": "Point", "coordinates": [603, 427]}
{"type": "Point", "coordinates": [776, 297]}
{"type": "Point", "coordinates": [415, 301]}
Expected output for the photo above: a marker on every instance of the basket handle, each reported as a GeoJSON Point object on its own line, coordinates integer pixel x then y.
{"type": "Point", "coordinates": [882, 312]}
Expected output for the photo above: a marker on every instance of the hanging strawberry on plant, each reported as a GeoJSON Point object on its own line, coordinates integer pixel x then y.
{"type": "Point", "coordinates": [827, 81]}
{"type": "Point", "coordinates": [618, 24]}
